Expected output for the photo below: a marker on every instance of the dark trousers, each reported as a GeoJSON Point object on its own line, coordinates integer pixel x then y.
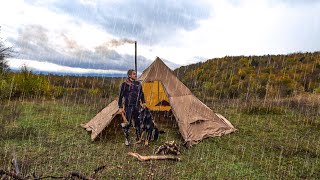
{"type": "Point", "coordinates": [132, 113]}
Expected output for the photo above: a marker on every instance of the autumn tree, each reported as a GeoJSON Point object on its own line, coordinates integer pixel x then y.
{"type": "Point", "coordinates": [5, 52]}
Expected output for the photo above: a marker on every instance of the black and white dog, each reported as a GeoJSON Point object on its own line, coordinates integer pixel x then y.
{"type": "Point", "coordinates": [148, 126]}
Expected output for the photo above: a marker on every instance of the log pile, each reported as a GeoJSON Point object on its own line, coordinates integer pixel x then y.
{"type": "Point", "coordinates": [169, 147]}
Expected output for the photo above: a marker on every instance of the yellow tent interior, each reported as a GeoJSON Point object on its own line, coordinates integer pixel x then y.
{"type": "Point", "coordinates": [155, 93]}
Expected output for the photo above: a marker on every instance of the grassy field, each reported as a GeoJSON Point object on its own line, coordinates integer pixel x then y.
{"type": "Point", "coordinates": [279, 141]}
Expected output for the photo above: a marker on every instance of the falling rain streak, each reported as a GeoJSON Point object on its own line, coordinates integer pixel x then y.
{"type": "Point", "coordinates": [233, 117]}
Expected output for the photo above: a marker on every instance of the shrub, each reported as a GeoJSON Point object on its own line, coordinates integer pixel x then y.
{"type": "Point", "coordinates": [263, 110]}
{"type": "Point", "coordinates": [27, 84]}
{"type": "Point", "coordinates": [94, 92]}
{"type": "Point", "coordinates": [5, 89]}
{"type": "Point", "coordinates": [316, 91]}
{"type": "Point", "coordinates": [58, 91]}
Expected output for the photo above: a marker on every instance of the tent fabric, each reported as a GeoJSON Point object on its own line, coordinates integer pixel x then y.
{"type": "Point", "coordinates": [154, 94]}
{"type": "Point", "coordinates": [98, 123]}
{"type": "Point", "coordinates": [195, 120]}
{"type": "Point", "coordinates": [163, 103]}
{"type": "Point", "coordinates": [158, 71]}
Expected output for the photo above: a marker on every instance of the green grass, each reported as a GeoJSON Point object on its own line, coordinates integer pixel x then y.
{"type": "Point", "coordinates": [47, 139]}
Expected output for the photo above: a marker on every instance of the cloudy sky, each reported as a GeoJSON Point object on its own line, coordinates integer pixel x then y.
{"type": "Point", "coordinates": [95, 36]}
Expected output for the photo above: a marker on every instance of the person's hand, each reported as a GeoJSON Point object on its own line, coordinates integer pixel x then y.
{"type": "Point", "coordinates": [144, 105]}
{"type": "Point", "coordinates": [121, 110]}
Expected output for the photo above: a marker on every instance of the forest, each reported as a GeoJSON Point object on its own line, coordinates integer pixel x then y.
{"type": "Point", "coordinates": [244, 77]}
{"type": "Point", "coordinates": [257, 77]}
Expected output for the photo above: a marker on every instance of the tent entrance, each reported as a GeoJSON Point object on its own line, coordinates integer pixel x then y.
{"type": "Point", "coordinates": [156, 98]}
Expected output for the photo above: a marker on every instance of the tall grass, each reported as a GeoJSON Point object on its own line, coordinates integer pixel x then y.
{"type": "Point", "coordinates": [47, 139]}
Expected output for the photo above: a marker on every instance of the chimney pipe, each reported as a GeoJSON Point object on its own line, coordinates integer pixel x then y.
{"type": "Point", "coordinates": [135, 56]}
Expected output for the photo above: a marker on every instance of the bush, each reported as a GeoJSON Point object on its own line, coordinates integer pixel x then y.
{"type": "Point", "coordinates": [75, 92]}
{"type": "Point", "coordinates": [262, 110]}
{"type": "Point", "coordinates": [30, 85]}
{"type": "Point", "coordinates": [10, 113]}
{"type": "Point", "coordinates": [316, 91]}
{"type": "Point", "coordinates": [261, 92]}
{"type": "Point", "coordinates": [5, 89]}
{"type": "Point", "coordinates": [94, 92]}
{"type": "Point", "coordinates": [58, 91]}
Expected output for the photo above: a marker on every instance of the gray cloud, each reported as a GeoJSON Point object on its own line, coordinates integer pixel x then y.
{"type": "Point", "coordinates": [289, 3]}
{"type": "Point", "coordinates": [295, 2]}
{"type": "Point", "coordinates": [33, 43]}
{"type": "Point", "coordinates": [149, 22]}
{"type": "Point", "coordinates": [154, 22]}
{"type": "Point", "coordinates": [170, 64]}
{"type": "Point", "coordinates": [298, 1]}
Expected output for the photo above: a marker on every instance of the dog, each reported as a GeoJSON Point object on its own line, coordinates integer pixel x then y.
{"type": "Point", "coordinates": [148, 127]}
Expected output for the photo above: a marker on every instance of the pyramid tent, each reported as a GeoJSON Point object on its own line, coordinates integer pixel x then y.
{"type": "Point", "coordinates": [195, 120]}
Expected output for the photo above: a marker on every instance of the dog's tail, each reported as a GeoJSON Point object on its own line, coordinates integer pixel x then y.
{"type": "Point", "coordinates": [157, 132]}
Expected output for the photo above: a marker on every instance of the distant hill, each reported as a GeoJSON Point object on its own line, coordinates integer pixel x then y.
{"type": "Point", "coordinates": [271, 76]}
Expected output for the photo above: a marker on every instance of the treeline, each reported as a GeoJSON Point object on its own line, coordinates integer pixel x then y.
{"type": "Point", "coordinates": [268, 76]}
{"type": "Point", "coordinates": [25, 84]}
{"type": "Point", "coordinates": [101, 87]}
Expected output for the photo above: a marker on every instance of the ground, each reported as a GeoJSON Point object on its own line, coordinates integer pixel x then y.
{"type": "Point", "coordinates": [46, 138]}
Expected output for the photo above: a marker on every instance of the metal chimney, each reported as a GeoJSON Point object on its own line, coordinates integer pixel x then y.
{"type": "Point", "coordinates": [135, 56]}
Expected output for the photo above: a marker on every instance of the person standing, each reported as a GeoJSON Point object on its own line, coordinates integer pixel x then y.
{"type": "Point", "coordinates": [132, 93]}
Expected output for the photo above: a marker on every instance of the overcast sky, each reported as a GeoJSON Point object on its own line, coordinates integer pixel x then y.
{"type": "Point", "coordinates": [95, 35]}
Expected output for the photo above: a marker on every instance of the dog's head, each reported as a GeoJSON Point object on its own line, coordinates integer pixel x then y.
{"type": "Point", "coordinates": [145, 115]}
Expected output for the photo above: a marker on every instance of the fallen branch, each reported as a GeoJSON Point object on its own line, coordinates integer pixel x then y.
{"type": "Point", "coordinates": [11, 174]}
{"type": "Point", "coordinates": [124, 117]}
{"type": "Point", "coordinates": [148, 158]}
{"type": "Point", "coordinates": [71, 175]}
{"type": "Point", "coordinates": [97, 170]}
{"type": "Point", "coordinates": [51, 177]}
{"type": "Point", "coordinates": [14, 162]}
{"type": "Point", "coordinates": [79, 175]}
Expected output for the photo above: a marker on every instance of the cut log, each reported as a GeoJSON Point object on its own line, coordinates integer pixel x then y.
{"type": "Point", "coordinates": [148, 158]}
{"type": "Point", "coordinates": [124, 118]}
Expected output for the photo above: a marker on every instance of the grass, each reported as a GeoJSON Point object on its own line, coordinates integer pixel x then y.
{"type": "Point", "coordinates": [47, 139]}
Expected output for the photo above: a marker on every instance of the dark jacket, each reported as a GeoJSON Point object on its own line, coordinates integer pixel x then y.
{"type": "Point", "coordinates": [132, 94]}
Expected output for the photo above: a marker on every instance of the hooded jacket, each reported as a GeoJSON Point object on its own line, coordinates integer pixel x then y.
{"type": "Point", "coordinates": [132, 93]}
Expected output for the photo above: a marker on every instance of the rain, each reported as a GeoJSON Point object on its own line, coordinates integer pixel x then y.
{"type": "Point", "coordinates": [93, 89]}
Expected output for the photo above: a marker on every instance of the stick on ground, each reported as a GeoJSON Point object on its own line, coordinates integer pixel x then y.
{"type": "Point", "coordinates": [10, 174]}
{"type": "Point", "coordinates": [148, 158]}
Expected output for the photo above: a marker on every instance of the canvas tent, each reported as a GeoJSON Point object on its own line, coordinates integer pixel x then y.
{"type": "Point", "coordinates": [195, 120]}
